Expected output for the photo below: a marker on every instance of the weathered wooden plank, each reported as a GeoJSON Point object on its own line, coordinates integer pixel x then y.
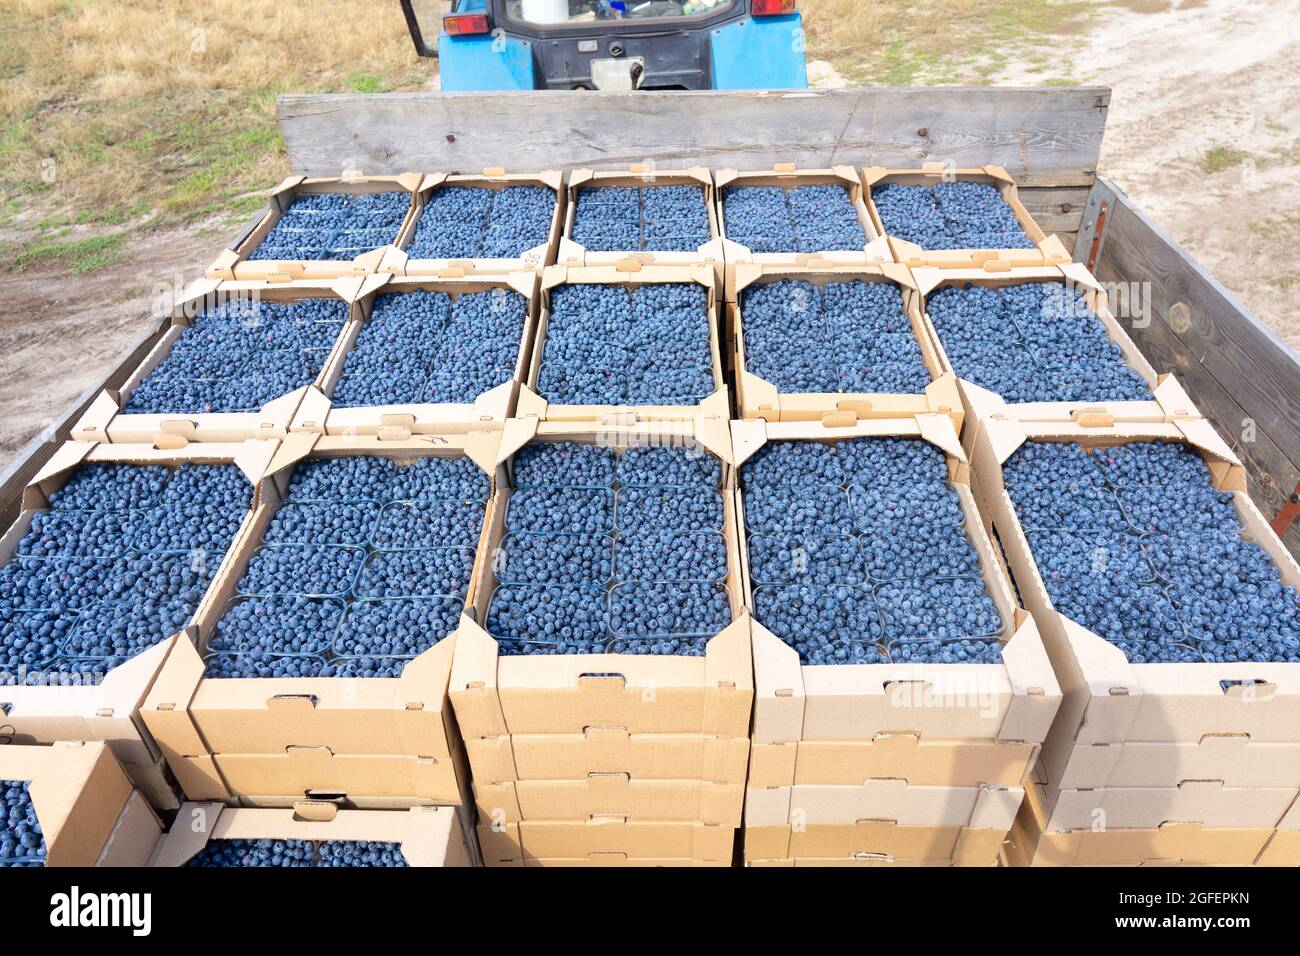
{"type": "Point", "coordinates": [1048, 136]}
{"type": "Point", "coordinates": [1056, 209]}
{"type": "Point", "coordinates": [1244, 356]}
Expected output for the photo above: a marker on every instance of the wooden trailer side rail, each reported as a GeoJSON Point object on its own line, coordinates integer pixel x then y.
{"type": "Point", "coordinates": [1240, 374]}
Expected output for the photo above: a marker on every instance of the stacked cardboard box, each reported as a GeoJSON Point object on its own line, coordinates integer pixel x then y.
{"type": "Point", "coordinates": [608, 758]}
{"type": "Point", "coordinates": [910, 763]}
{"type": "Point", "coordinates": [273, 742]}
{"type": "Point", "coordinates": [1192, 762]}
{"type": "Point", "coordinates": [87, 810]}
{"type": "Point", "coordinates": [79, 698]}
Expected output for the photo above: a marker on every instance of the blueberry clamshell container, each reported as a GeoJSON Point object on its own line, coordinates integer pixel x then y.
{"type": "Point", "coordinates": [710, 535]}
{"type": "Point", "coordinates": [601, 592]}
{"type": "Point", "coordinates": [867, 641]}
{"type": "Point", "coordinates": [359, 551]}
{"type": "Point", "coordinates": [612, 513]}
{"type": "Point", "coordinates": [53, 565]}
{"type": "Point", "coordinates": [211, 656]}
{"type": "Point", "coordinates": [623, 510]}
{"type": "Point", "coordinates": [618, 635]}
{"type": "Point", "coordinates": [362, 539]}
{"type": "Point", "coordinates": [360, 592]}
{"type": "Point", "coordinates": [501, 567]}
{"type": "Point", "coordinates": [1001, 633]}
{"type": "Point", "coordinates": [326, 641]}
{"type": "Point", "coordinates": [766, 539]}
{"type": "Point", "coordinates": [340, 636]}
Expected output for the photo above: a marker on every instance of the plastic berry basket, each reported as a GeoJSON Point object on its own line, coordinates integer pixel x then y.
{"type": "Point", "coordinates": [305, 665]}
{"type": "Point", "coordinates": [320, 643]}
{"type": "Point", "coordinates": [844, 634]}
{"type": "Point", "coordinates": [899, 632]}
{"type": "Point", "coordinates": [669, 602]}
{"type": "Point", "coordinates": [63, 532]}
{"type": "Point", "coordinates": [346, 560]}
{"type": "Point", "coordinates": [593, 638]}
{"type": "Point", "coordinates": [345, 644]}
{"type": "Point", "coordinates": [517, 519]}
{"type": "Point", "coordinates": [250, 256]}
{"type": "Point", "coordinates": [712, 544]}
{"type": "Point", "coordinates": [645, 508]}
{"type": "Point", "coordinates": [363, 520]}
{"type": "Point", "coordinates": [544, 543]}
{"type": "Point", "coordinates": [69, 583]}
{"type": "Point", "coordinates": [769, 553]}
{"type": "Point", "coordinates": [536, 251]}
{"type": "Point", "coordinates": [441, 564]}
{"type": "Point", "coordinates": [868, 519]}
{"type": "Point", "coordinates": [430, 524]}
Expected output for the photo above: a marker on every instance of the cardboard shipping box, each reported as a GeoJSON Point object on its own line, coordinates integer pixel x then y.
{"type": "Point", "coordinates": [1168, 401]}
{"type": "Point", "coordinates": [574, 253]}
{"type": "Point", "coordinates": [317, 413]}
{"type": "Point", "coordinates": [983, 807]}
{"type": "Point", "coordinates": [878, 841]}
{"type": "Point", "coordinates": [429, 836]}
{"type": "Point", "coordinates": [44, 707]}
{"type": "Point", "coordinates": [606, 841]}
{"type": "Point", "coordinates": [89, 813]}
{"type": "Point", "coordinates": [495, 695]}
{"type": "Point", "coordinates": [1107, 699]}
{"type": "Point", "coordinates": [758, 398]}
{"type": "Point", "coordinates": [366, 737]}
{"type": "Point", "coordinates": [234, 261]}
{"type": "Point", "coordinates": [398, 262]}
{"type": "Point", "coordinates": [788, 176]}
{"type": "Point", "coordinates": [611, 794]}
{"type": "Point", "coordinates": [1048, 250]}
{"type": "Point", "coordinates": [108, 420]}
{"type": "Point", "coordinates": [630, 274]}
{"type": "Point", "coordinates": [1009, 703]}
{"type": "Point", "coordinates": [597, 750]}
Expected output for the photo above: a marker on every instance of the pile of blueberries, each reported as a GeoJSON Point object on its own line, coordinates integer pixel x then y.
{"type": "Point", "coordinates": [818, 218]}
{"type": "Point", "coordinates": [956, 215]}
{"type": "Point", "coordinates": [428, 347]}
{"type": "Point", "coordinates": [858, 554]}
{"type": "Point", "coordinates": [334, 226]}
{"type": "Point", "coordinates": [119, 562]}
{"type": "Point", "coordinates": [1134, 543]}
{"type": "Point", "coordinates": [611, 551]}
{"type": "Point", "coordinates": [1034, 342]}
{"type": "Point", "coordinates": [21, 840]}
{"type": "Point", "coordinates": [364, 566]}
{"type": "Point", "coordinates": [840, 337]}
{"type": "Point", "coordinates": [644, 218]}
{"type": "Point", "coordinates": [476, 222]}
{"type": "Point", "coordinates": [240, 355]}
{"type": "Point", "coordinates": [298, 853]}
{"type": "Point", "coordinates": [612, 345]}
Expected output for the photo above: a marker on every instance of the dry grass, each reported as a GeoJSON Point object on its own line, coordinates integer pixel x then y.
{"type": "Point", "coordinates": [162, 109]}
{"type": "Point", "coordinates": [130, 114]}
{"type": "Point", "coordinates": [930, 41]}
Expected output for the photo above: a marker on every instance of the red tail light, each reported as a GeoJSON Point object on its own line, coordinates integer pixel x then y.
{"type": "Point", "coordinates": [772, 8]}
{"type": "Point", "coordinates": [464, 25]}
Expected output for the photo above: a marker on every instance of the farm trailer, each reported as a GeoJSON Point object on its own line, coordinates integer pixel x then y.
{"type": "Point", "coordinates": [1237, 371]}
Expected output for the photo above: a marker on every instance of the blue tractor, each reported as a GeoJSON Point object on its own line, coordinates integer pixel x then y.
{"type": "Point", "coordinates": [611, 44]}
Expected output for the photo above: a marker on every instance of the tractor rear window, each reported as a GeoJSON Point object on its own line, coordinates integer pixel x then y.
{"type": "Point", "coordinates": [578, 12]}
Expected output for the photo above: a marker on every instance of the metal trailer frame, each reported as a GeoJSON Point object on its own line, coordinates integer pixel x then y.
{"type": "Point", "coordinates": [1239, 373]}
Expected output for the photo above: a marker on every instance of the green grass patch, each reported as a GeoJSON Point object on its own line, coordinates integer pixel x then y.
{"type": "Point", "coordinates": [79, 255]}
{"type": "Point", "coordinates": [1218, 158]}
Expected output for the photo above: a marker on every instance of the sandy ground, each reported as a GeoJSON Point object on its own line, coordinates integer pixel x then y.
{"type": "Point", "coordinates": [1202, 74]}
{"type": "Point", "coordinates": [1208, 73]}
{"type": "Point", "coordinates": [61, 334]}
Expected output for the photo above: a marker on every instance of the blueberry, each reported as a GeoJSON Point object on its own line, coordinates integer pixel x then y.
{"type": "Point", "coordinates": [22, 842]}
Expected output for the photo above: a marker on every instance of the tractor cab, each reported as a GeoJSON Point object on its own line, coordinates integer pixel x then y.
{"type": "Point", "coordinates": [611, 44]}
